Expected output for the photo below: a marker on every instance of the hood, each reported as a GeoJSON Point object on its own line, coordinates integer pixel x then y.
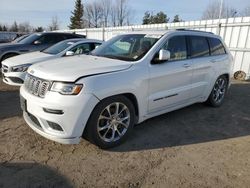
{"type": "Point", "coordinates": [9, 45]}
{"type": "Point", "coordinates": [69, 69]}
{"type": "Point", "coordinates": [29, 58]}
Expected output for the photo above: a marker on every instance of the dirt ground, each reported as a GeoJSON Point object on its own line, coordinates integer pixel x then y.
{"type": "Point", "coordinates": [197, 146]}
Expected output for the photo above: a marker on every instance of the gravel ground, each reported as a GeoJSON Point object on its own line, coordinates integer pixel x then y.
{"type": "Point", "coordinates": [197, 146]}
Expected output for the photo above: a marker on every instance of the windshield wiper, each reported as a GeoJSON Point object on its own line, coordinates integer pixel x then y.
{"type": "Point", "coordinates": [110, 56]}
{"type": "Point", "coordinates": [119, 57]}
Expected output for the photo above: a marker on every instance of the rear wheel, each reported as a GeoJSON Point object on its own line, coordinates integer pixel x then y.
{"type": "Point", "coordinates": [218, 93]}
{"type": "Point", "coordinates": [111, 122]}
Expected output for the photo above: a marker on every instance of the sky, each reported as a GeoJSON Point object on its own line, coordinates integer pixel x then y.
{"type": "Point", "coordinates": [40, 12]}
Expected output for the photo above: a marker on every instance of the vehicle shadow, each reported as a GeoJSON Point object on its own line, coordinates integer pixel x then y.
{"type": "Point", "coordinates": [31, 175]}
{"type": "Point", "coordinates": [9, 104]}
{"type": "Point", "coordinates": [195, 124]}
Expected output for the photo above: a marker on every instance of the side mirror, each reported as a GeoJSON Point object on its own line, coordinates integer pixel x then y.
{"type": "Point", "coordinates": [69, 53]}
{"type": "Point", "coordinates": [163, 55]}
{"type": "Point", "coordinates": [37, 42]}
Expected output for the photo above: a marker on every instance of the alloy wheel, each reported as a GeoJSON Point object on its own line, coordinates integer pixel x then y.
{"type": "Point", "coordinates": [113, 122]}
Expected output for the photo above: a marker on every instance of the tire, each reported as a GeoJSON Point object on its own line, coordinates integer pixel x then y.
{"type": "Point", "coordinates": [217, 95]}
{"type": "Point", "coordinates": [108, 127]}
{"type": "Point", "coordinates": [240, 75]}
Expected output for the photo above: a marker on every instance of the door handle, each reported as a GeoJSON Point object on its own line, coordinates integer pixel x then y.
{"type": "Point", "coordinates": [186, 65]}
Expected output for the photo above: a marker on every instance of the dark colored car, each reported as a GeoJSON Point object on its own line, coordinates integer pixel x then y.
{"type": "Point", "coordinates": [8, 36]}
{"type": "Point", "coordinates": [18, 39]}
{"type": "Point", "coordinates": [34, 42]}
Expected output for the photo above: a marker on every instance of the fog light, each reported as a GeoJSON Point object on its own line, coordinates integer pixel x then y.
{"type": "Point", "coordinates": [54, 126]}
{"type": "Point", "coordinates": [51, 111]}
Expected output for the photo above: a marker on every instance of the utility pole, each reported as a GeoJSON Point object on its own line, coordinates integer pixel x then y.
{"type": "Point", "coordinates": [221, 8]}
{"type": "Point", "coordinates": [220, 15]}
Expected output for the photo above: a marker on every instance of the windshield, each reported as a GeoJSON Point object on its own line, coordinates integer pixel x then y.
{"type": "Point", "coordinates": [17, 40]}
{"type": "Point", "coordinates": [59, 47]}
{"type": "Point", "coordinates": [130, 47]}
{"type": "Point", "coordinates": [30, 39]}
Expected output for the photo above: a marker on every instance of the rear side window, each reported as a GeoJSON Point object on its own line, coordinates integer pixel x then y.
{"type": "Point", "coordinates": [177, 48]}
{"type": "Point", "coordinates": [198, 46]}
{"type": "Point", "coordinates": [216, 46]}
{"type": "Point", "coordinates": [50, 39]}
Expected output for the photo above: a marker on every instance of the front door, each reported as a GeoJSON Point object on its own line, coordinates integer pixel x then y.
{"type": "Point", "coordinates": [170, 81]}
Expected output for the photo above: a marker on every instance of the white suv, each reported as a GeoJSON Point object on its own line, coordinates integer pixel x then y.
{"type": "Point", "coordinates": [127, 80]}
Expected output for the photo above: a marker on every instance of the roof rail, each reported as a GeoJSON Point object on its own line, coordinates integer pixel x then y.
{"type": "Point", "coordinates": [182, 29]}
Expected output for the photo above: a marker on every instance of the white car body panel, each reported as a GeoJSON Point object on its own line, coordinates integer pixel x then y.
{"type": "Point", "coordinates": [28, 58]}
{"type": "Point", "coordinates": [87, 65]}
{"type": "Point", "coordinates": [158, 88]}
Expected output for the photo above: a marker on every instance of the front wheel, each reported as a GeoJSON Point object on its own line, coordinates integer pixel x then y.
{"type": "Point", "coordinates": [218, 93]}
{"type": "Point", "coordinates": [110, 122]}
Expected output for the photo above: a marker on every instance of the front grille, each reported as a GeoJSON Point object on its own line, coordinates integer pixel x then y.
{"type": "Point", "coordinates": [36, 86]}
{"type": "Point", "coordinates": [5, 69]}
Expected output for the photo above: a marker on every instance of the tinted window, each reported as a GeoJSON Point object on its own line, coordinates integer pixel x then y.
{"type": "Point", "coordinates": [82, 48]}
{"type": "Point", "coordinates": [216, 47]}
{"type": "Point", "coordinates": [48, 39]}
{"type": "Point", "coordinates": [59, 47]}
{"type": "Point", "coordinates": [199, 46]}
{"type": "Point", "coordinates": [30, 39]}
{"type": "Point", "coordinates": [70, 36]}
{"type": "Point", "coordinates": [177, 47]}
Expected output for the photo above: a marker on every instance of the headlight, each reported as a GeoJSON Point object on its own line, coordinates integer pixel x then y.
{"type": "Point", "coordinates": [20, 68]}
{"type": "Point", "coordinates": [66, 88]}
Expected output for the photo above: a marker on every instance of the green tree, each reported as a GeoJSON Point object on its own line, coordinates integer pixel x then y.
{"type": "Point", "coordinates": [177, 19]}
{"type": "Point", "coordinates": [5, 28]}
{"type": "Point", "coordinates": [76, 20]}
{"type": "Point", "coordinates": [147, 18]}
{"type": "Point", "coordinates": [14, 27]}
{"type": "Point", "coordinates": [39, 29]}
{"type": "Point", "coordinates": [1, 28]}
{"type": "Point", "coordinates": [160, 17]}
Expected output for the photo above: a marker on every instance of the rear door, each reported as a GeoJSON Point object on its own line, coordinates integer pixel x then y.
{"type": "Point", "coordinates": [170, 81]}
{"type": "Point", "coordinates": [203, 68]}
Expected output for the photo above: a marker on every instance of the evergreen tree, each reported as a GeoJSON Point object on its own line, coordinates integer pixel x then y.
{"type": "Point", "coordinates": [160, 17]}
{"type": "Point", "coordinates": [14, 27]}
{"type": "Point", "coordinates": [39, 29]}
{"type": "Point", "coordinates": [1, 29]}
{"type": "Point", "coordinates": [76, 20]}
{"type": "Point", "coordinates": [177, 19]}
{"type": "Point", "coordinates": [5, 28]}
{"type": "Point", "coordinates": [147, 18]}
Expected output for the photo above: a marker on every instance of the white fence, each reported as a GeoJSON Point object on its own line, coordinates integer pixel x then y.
{"type": "Point", "coordinates": [234, 31]}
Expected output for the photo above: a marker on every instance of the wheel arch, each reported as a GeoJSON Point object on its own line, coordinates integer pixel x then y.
{"type": "Point", "coordinates": [132, 97]}
{"type": "Point", "coordinates": [226, 75]}
{"type": "Point", "coordinates": [8, 53]}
